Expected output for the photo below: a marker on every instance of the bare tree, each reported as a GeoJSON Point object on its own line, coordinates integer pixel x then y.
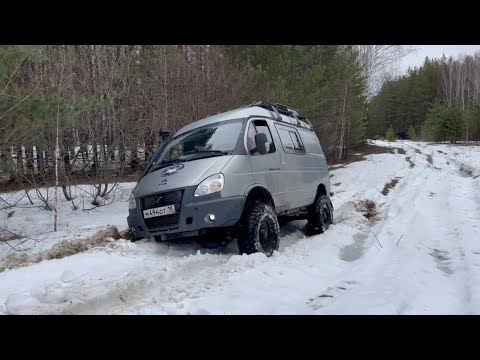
{"type": "Point", "coordinates": [378, 61]}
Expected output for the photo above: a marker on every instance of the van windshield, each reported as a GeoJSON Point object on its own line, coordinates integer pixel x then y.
{"type": "Point", "coordinates": [215, 140]}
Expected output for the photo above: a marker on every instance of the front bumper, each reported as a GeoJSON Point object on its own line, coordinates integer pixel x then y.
{"type": "Point", "coordinates": [194, 216]}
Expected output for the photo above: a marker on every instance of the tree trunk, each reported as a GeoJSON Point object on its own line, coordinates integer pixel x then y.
{"type": "Point", "coordinates": [342, 121]}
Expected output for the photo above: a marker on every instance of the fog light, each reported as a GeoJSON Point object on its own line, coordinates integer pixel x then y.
{"type": "Point", "coordinates": [211, 217]}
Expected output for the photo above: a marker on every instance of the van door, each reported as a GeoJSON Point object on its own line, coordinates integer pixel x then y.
{"type": "Point", "coordinates": [318, 163]}
{"type": "Point", "coordinates": [265, 168]}
{"type": "Point", "coordinates": [297, 172]}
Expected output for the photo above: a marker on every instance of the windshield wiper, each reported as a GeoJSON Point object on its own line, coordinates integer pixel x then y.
{"type": "Point", "coordinates": [208, 151]}
{"type": "Point", "coordinates": [165, 163]}
{"type": "Point", "coordinates": [202, 154]}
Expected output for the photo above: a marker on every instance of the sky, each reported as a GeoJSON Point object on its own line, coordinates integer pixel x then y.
{"type": "Point", "coordinates": [433, 51]}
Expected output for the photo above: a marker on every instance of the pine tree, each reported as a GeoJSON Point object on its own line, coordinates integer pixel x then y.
{"type": "Point", "coordinates": [411, 133]}
{"type": "Point", "coordinates": [390, 134]}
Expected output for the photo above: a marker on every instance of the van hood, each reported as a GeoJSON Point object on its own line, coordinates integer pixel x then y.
{"type": "Point", "coordinates": [180, 175]}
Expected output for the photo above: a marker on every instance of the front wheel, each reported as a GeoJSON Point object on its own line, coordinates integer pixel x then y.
{"type": "Point", "coordinates": [260, 231]}
{"type": "Point", "coordinates": [320, 214]}
{"type": "Point", "coordinates": [128, 234]}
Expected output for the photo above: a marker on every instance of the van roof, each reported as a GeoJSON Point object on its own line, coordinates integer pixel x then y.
{"type": "Point", "coordinates": [245, 112]}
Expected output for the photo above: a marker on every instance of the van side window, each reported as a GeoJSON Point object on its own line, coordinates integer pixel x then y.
{"type": "Point", "coordinates": [290, 140]}
{"type": "Point", "coordinates": [256, 127]}
{"type": "Point", "coordinates": [311, 142]}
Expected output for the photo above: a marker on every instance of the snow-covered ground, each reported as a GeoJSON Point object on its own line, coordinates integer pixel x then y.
{"type": "Point", "coordinates": [426, 259]}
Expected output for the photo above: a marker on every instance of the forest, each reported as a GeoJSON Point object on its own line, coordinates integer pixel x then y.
{"type": "Point", "coordinates": [92, 113]}
{"type": "Point", "coordinates": [440, 102]}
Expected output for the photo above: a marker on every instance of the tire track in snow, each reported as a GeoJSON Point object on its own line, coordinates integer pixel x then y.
{"type": "Point", "coordinates": [407, 281]}
{"type": "Point", "coordinates": [395, 279]}
{"type": "Point", "coordinates": [188, 277]}
{"type": "Point", "coordinates": [137, 288]}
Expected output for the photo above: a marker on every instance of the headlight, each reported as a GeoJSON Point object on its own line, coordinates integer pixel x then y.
{"type": "Point", "coordinates": [210, 185]}
{"type": "Point", "coordinates": [131, 202]}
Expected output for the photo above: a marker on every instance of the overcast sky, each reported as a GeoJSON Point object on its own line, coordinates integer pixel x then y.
{"type": "Point", "coordinates": [432, 51]}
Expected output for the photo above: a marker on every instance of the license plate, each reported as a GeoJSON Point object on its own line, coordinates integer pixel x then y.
{"type": "Point", "coordinates": [159, 211]}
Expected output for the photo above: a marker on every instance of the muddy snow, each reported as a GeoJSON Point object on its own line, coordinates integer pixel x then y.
{"type": "Point", "coordinates": [414, 249]}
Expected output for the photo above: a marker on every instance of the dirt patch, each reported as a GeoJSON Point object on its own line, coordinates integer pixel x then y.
{"type": "Point", "coordinates": [409, 160]}
{"type": "Point", "coordinates": [467, 171]}
{"type": "Point", "coordinates": [390, 185]}
{"type": "Point", "coordinates": [63, 249]}
{"type": "Point", "coordinates": [418, 151]}
{"type": "Point", "coordinates": [359, 152]}
{"type": "Point", "coordinates": [368, 208]}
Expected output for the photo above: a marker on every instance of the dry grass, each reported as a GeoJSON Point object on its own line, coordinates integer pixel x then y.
{"type": "Point", "coordinates": [7, 235]}
{"type": "Point", "coordinates": [63, 249]}
{"type": "Point", "coordinates": [390, 185]}
{"type": "Point", "coordinates": [78, 179]}
{"type": "Point", "coordinates": [430, 159]}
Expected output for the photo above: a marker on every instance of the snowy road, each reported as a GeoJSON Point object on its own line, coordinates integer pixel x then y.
{"type": "Point", "coordinates": [426, 259]}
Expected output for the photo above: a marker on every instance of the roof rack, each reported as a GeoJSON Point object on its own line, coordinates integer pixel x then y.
{"type": "Point", "coordinates": [281, 109]}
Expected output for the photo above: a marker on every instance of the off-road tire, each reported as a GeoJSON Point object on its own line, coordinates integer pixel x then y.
{"type": "Point", "coordinates": [320, 215]}
{"type": "Point", "coordinates": [260, 230]}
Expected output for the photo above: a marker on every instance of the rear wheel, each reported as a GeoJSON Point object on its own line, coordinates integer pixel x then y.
{"type": "Point", "coordinates": [260, 230]}
{"type": "Point", "coordinates": [320, 215]}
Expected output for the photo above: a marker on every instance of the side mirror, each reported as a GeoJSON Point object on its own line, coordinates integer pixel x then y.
{"type": "Point", "coordinates": [164, 134]}
{"type": "Point", "coordinates": [262, 143]}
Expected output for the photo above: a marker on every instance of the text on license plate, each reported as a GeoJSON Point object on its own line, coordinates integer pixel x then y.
{"type": "Point", "coordinates": [159, 211]}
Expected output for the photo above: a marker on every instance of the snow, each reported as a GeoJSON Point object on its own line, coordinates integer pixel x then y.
{"type": "Point", "coordinates": [67, 276]}
{"type": "Point", "coordinates": [425, 261]}
{"type": "Point", "coordinates": [36, 224]}
{"type": "Point", "coordinates": [16, 302]}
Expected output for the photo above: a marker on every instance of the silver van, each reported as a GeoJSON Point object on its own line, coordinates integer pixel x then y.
{"type": "Point", "coordinates": [234, 175]}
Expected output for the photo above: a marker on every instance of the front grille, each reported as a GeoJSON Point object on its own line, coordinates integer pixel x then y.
{"type": "Point", "coordinates": [163, 199]}
{"type": "Point", "coordinates": [162, 221]}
